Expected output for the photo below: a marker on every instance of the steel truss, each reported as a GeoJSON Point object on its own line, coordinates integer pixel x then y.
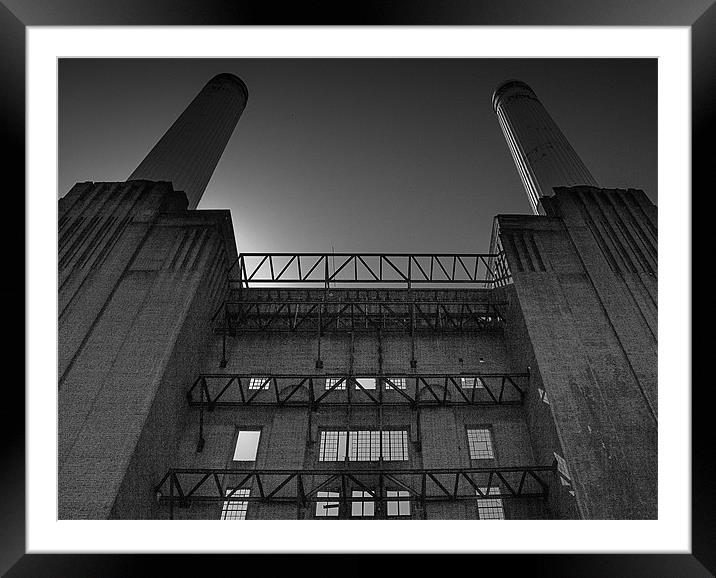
{"type": "Point", "coordinates": [422, 389]}
{"type": "Point", "coordinates": [184, 487]}
{"type": "Point", "coordinates": [358, 315]}
{"type": "Point", "coordinates": [375, 269]}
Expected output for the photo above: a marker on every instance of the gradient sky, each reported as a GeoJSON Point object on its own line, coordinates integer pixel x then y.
{"type": "Point", "coordinates": [361, 155]}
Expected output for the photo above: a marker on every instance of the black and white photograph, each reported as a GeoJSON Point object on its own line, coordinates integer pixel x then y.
{"type": "Point", "coordinates": [311, 280]}
{"type": "Point", "coordinates": [418, 289]}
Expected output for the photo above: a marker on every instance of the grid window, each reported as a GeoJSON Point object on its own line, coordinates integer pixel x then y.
{"type": "Point", "coordinates": [333, 446]}
{"type": "Point", "coordinates": [235, 509]}
{"type": "Point", "coordinates": [360, 508]}
{"type": "Point", "coordinates": [331, 381]}
{"type": "Point", "coordinates": [259, 382]}
{"type": "Point", "coordinates": [366, 382]}
{"type": "Point", "coordinates": [472, 382]}
{"type": "Point", "coordinates": [401, 507]}
{"type": "Point", "coordinates": [247, 444]}
{"type": "Point", "coordinates": [395, 383]}
{"type": "Point", "coordinates": [488, 508]}
{"type": "Point", "coordinates": [480, 443]}
{"type": "Point", "coordinates": [395, 445]}
{"type": "Point", "coordinates": [363, 446]}
{"type": "Point", "coordinates": [327, 509]}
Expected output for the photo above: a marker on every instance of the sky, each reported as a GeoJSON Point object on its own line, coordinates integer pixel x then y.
{"type": "Point", "coordinates": [361, 155]}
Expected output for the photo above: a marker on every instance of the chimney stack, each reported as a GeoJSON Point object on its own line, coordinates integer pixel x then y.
{"type": "Point", "coordinates": [542, 154]}
{"type": "Point", "coordinates": [189, 151]}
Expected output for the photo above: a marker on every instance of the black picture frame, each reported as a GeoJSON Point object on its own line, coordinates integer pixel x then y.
{"type": "Point", "coordinates": [16, 15]}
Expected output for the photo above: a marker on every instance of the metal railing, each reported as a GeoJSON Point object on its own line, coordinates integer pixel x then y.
{"type": "Point", "coordinates": [367, 269]}
{"type": "Point", "coordinates": [369, 389]}
{"type": "Point", "coordinates": [184, 487]}
{"type": "Point", "coordinates": [348, 390]}
{"type": "Point", "coordinates": [358, 315]}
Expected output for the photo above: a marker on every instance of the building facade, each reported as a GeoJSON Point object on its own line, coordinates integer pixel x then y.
{"type": "Point", "coordinates": [196, 382]}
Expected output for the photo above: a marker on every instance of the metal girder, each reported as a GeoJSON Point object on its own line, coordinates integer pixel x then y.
{"type": "Point", "coordinates": [369, 389]}
{"type": "Point", "coordinates": [218, 485]}
{"type": "Point", "coordinates": [375, 269]}
{"type": "Point", "coordinates": [294, 315]}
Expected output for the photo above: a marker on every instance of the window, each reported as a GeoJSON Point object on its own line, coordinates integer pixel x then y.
{"type": "Point", "coordinates": [543, 395]}
{"type": "Point", "coordinates": [489, 508]}
{"type": "Point", "coordinates": [395, 383]}
{"type": "Point", "coordinates": [235, 509]}
{"type": "Point", "coordinates": [363, 446]}
{"type": "Point", "coordinates": [366, 382]}
{"type": "Point", "coordinates": [395, 445]}
{"type": "Point", "coordinates": [259, 382]}
{"type": "Point", "coordinates": [398, 508]}
{"type": "Point", "coordinates": [472, 382]}
{"type": "Point", "coordinates": [327, 509]}
{"type": "Point", "coordinates": [362, 509]}
{"type": "Point", "coordinates": [331, 381]}
{"type": "Point", "coordinates": [247, 444]}
{"type": "Point", "coordinates": [563, 470]}
{"type": "Point", "coordinates": [333, 446]}
{"type": "Point", "coordinates": [480, 443]}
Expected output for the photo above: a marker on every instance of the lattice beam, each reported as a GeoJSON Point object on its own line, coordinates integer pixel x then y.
{"type": "Point", "coordinates": [186, 486]}
{"type": "Point", "coordinates": [369, 389]}
{"type": "Point", "coordinates": [293, 315]}
{"type": "Point", "coordinates": [375, 269]}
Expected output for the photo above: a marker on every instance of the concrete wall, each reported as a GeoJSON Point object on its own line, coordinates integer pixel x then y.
{"type": "Point", "coordinates": [593, 345]}
{"type": "Point", "coordinates": [101, 228]}
{"type": "Point", "coordinates": [127, 349]}
{"type": "Point", "coordinates": [538, 410]}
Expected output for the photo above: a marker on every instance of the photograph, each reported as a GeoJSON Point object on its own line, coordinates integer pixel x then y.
{"type": "Point", "coordinates": [364, 280]}
{"type": "Point", "coordinates": [357, 289]}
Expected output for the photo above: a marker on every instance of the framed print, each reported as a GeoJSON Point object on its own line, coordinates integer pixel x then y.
{"type": "Point", "coordinates": [324, 279]}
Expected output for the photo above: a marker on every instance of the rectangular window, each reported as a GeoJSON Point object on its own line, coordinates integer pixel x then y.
{"type": "Point", "coordinates": [360, 508]}
{"type": "Point", "coordinates": [489, 508]}
{"type": "Point", "coordinates": [395, 383]}
{"type": "Point", "coordinates": [331, 381]}
{"type": "Point", "coordinates": [398, 507]}
{"type": "Point", "coordinates": [366, 382]}
{"type": "Point", "coordinates": [395, 445]}
{"type": "Point", "coordinates": [247, 444]}
{"type": "Point", "coordinates": [327, 509]}
{"type": "Point", "coordinates": [259, 382]}
{"type": "Point", "coordinates": [363, 446]}
{"type": "Point", "coordinates": [480, 443]}
{"type": "Point", "coordinates": [235, 509]}
{"type": "Point", "coordinates": [333, 446]}
{"type": "Point", "coordinates": [472, 382]}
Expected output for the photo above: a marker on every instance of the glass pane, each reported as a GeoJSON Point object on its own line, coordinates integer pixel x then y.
{"type": "Point", "coordinates": [247, 445]}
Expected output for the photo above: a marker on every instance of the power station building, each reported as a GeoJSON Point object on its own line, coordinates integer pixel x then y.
{"type": "Point", "coordinates": [198, 382]}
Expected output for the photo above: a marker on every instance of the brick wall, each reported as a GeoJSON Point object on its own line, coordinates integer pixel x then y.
{"type": "Point", "coordinates": [290, 435]}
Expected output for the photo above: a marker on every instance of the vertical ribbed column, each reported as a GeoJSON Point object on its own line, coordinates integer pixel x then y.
{"type": "Point", "coordinates": [542, 154]}
{"type": "Point", "coordinates": [189, 151]}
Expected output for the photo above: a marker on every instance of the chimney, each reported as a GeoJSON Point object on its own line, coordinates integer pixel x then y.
{"type": "Point", "coordinates": [189, 151]}
{"type": "Point", "coordinates": [542, 154]}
